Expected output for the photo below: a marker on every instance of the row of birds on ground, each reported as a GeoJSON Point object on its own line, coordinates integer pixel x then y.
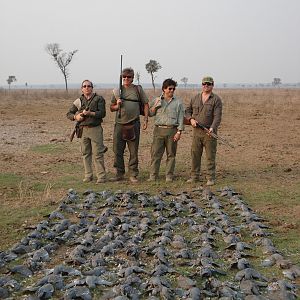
{"type": "Point", "coordinates": [132, 245]}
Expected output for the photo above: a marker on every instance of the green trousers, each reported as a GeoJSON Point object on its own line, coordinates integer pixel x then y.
{"type": "Point", "coordinates": [92, 149]}
{"type": "Point", "coordinates": [202, 141]}
{"type": "Point", "coordinates": [119, 146]}
{"type": "Point", "coordinates": [163, 140]}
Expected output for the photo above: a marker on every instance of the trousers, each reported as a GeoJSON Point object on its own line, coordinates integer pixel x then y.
{"type": "Point", "coordinates": [202, 141]}
{"type": "Point", "coordinates": [92, 149]}
{"type": "Point", "coordinates": [163, 141]}
{"type": "Point", "coordinates": [119, 146]}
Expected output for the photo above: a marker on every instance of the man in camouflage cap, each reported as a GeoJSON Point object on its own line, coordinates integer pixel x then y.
{"type": "Point", "coordinates": [206, 109]}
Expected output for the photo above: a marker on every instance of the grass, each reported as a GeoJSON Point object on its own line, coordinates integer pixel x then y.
{"type": "Point", "coordinates": [52, 149]}
{"type": "Point", "coordinates": [263, 166]}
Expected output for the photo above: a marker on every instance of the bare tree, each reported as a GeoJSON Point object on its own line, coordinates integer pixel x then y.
{"type": "Point", "coordinates": [185, 81]}
{"type": "Point", "coordinates": [10, 80]}
{"type": "Point", "coordinates": [152, 67]}
{"type": "Point", "coordinates": [137, 77]}
{"type": "Point", "coordinates": [276, 81]}
{"type": "Point", "coordinates": [62, 59]}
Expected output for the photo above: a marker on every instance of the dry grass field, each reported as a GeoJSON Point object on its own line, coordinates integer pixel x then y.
{"type": "Point", "coordinates": [38, 164]}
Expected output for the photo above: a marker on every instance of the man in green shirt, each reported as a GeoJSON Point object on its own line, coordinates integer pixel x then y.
{"type": "Point", "coordinates": [89, 110]}
{"type": "Point", "coordinates": [168, 112]}
{"type": "Point", "coordinates": [206, 109]}
{"type": "Point", "coordinates": [127, 124]}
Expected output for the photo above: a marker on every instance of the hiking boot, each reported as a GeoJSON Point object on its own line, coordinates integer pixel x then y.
{"type": "Point", "coordinates": [192, 180]}
{"type": "Point", "coordinates": [133, 179]}
{"type": "Point", "coordinates": [169, 179]}
{"type": "Point", "coordinates": [118, 177]}
{"type": "Point", "coordinates": [87, 179]}
{"type": "Point", "coordinates": [101, 180]}
{"type": "Point", "coordinates": [210, 182]}
{"type": "Point", "coordinates": [152, 178]}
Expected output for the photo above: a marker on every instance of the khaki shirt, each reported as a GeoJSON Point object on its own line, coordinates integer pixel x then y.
{"type": "Point", "coordinates": [171, 113]}
{"type": "Point", "coordinates": [130, 108]}
{"type": "Point", "coordinates": [208, 114]}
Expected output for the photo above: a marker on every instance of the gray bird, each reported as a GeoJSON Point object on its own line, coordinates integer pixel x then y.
{"type": "Point", "coordinates": [249, 273]}
{"type": "Point", "coordinates": [45, 292]}
{"type": "Point", "coordinates": [22, 270]}
{"type": "Point", "coordinates": [78, 292]}
{"type": "Point", "coordinates": [93, 280]}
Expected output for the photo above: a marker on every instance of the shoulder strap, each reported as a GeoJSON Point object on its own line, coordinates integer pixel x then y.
{"type": "Point", "coordinates": [137, 87]}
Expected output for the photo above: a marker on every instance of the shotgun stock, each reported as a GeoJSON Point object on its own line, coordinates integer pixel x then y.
{"type": "Point", "coordinates": [74, 131]}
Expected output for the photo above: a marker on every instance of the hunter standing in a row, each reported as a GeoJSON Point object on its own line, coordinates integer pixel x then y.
{"type": "Point", "coordinates": [168, 113]}
{"type": "Point", "coordinates": [127, 124]}
{"type": "Point", "coordinates": [205, 109]}
{"type": "Point", "coordinates": [89, 110]}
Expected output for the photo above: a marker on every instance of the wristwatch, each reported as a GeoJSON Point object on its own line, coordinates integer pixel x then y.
{"type": "Point", "coordinates": [178, 131]}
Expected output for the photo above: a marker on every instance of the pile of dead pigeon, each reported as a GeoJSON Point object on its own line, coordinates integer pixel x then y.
{"type": "Point", "coordinates": [132, 245]}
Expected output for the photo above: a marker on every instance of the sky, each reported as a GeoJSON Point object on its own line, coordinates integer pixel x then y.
{"type": "Point", "coordinates": [235, 41]}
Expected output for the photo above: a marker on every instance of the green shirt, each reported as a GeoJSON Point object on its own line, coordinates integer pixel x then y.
{"type": "Point", "coordinates": [208, 114]}
{"type": "Point", "coordinates": [130, 108]}
{"type": "Point", "coordinates": [171, 113]}
{"type": "Point", "coordinates": [95, 104]}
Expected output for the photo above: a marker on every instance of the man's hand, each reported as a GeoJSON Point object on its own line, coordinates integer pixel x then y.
{"type": "Point", "coordinates": [145, 124]}
{"type": "Point", "coordinates": [79, 117]}
{"type": "Point", "coordinates": [177, 136]}
{"type": "Point", "coordinates": [157, 105]}
{"type": "Point", "coordinates": [194, 123]}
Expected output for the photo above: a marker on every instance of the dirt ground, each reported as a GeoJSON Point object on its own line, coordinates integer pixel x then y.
{"type": "Point", "coordinates": [39, 165]}
{"type": "Point", "coordinates": [264, 126]}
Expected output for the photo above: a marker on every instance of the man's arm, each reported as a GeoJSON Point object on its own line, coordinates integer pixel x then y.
{"type": "Point", "coordinates": [217, 114]}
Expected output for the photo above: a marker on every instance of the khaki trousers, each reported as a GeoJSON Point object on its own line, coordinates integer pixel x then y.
{"type": "Point", "coordinates": [92, 149]}
{"type": "Point", "coordinates": [163, 140]}
{"type": "Point", "coordinates": [202, 141]}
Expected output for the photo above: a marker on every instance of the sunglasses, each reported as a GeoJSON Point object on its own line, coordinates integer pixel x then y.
{"type": "Point", "coordinates": [206, 83]}
{"type": "Point", "coordinates": [127, 76]}
{"type": "Point", "coordinates": [171, 89]}
{"type": "Point", "coordinates": [86, 86]}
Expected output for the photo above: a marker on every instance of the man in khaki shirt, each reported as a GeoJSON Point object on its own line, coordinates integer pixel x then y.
{"type": "Point", "coordinates": [168, 113]}
{"type": "Point", "coordinates": [127, 124]}
{"type": "Point", "coordinates": [206, 109]}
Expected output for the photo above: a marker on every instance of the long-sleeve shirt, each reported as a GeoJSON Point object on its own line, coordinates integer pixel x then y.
{"type": "Point", "coordinates": [95, 104]}
{"type": "Point", "coordinates": [171, 113]}
{"type": "Point", "coordinates": [208, 113]}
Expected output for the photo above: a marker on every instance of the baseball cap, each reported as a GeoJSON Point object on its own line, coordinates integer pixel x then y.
{"type": "Point", "coordinates": [207, 79]}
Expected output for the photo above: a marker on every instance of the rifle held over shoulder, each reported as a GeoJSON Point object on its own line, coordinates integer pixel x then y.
{"type": "Point", "coordinates": [120, 89]}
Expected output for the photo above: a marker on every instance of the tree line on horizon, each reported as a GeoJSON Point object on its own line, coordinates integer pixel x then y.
{"type": "Point", "coordinates": [63, 59]}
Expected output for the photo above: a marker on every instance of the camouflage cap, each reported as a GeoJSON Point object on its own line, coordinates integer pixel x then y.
{"type": "Point", "coordinates": [207, 79]}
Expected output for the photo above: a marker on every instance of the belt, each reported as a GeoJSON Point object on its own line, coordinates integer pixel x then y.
{"type": "Point", "coordinates": [88, 126]}
{"type": "Point", "coordinates": [166, 126]}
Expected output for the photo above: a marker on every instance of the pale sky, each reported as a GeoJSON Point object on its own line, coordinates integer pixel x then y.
{"type": "Point", "coordinates": [235, 41]}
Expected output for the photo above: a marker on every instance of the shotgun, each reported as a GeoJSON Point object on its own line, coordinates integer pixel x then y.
{"type": "Point", "coordinates": [74, 131]}
{"type": "Point", "coordinates": [215, 136]}
{"type": "Point", "coordinates": [120, 88]}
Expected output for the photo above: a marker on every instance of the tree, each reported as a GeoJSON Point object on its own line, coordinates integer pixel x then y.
{"type": "Point", "coordinates": [62, 59]}
{"type": "Point", "coordinates": [276, 81]}
{"type": "Point", "coordinates": [10, 80]}
{"type": "Point", "coordinates": [184, 80]}
{"type": "Point", "coordinates": [152, 67]}
{"type": "Point", "coordinates": [138, 76]}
